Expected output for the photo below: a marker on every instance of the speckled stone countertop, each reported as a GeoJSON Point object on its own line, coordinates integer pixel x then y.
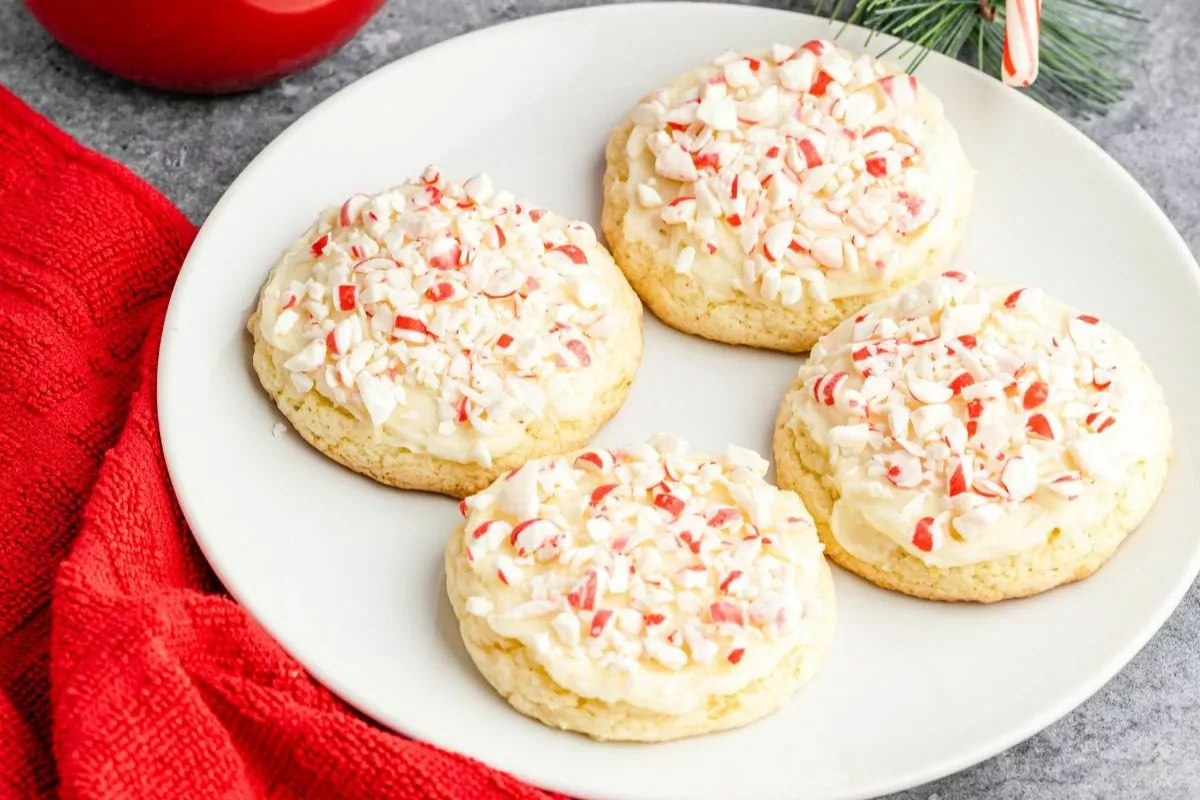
{"type": "Point", "coordinates": [1138, 738]}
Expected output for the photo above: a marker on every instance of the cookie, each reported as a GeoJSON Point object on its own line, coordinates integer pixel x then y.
{"type": "Point", "coordinates": [642, 594]}
{"type": "Point", "coordinates": [439, 334]}
{"type": "Point", "coordinates": [965, 440]}
{"type": "Point", "coordinates": [761, 199]}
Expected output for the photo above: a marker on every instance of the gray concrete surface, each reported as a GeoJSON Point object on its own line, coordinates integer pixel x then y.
{"type": "Point", "coordinates": [1138, 738]}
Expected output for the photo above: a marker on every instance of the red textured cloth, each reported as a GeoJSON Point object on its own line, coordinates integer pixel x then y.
{"type": "Point", "coordinates": [124, 671]}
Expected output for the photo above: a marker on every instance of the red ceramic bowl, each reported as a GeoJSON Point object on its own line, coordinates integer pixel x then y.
{"type": "Point", "coordinates": [203, 45]}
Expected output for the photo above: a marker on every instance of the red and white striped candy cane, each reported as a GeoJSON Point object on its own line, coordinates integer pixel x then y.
{"type": "Point", "coordinates": [1022, 24]}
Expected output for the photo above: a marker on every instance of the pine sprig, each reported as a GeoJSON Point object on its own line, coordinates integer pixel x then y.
{"type": "Point", "coordinates": [1084, 43]}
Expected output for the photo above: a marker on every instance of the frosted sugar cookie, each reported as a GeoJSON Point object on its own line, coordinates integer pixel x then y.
{"type": "Point", "coordinates": [971, 441]}
{"type": "Point", "coordinates": [761, 199]}
{"type": "Point", "coordinates": [439, 334]}
{"type": "Point", "coordinates": [641, 594]}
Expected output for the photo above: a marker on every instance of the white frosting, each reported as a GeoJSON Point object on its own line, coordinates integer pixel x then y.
{"type": "Point", "coordinates": [795, 172]}
{"type": "Point", "coordinates": [446, 315]}
{"type": "Point", "coordinates": [651, 575]}
{"type": "Point", "coordinates": [967, 421]}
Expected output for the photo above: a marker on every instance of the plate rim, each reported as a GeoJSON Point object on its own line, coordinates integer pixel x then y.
{"type": "Point", "coordinates": [936, 769]}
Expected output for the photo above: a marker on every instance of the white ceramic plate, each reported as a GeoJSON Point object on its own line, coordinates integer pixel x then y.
{"type": "Point", "coordinates": [347, 574]}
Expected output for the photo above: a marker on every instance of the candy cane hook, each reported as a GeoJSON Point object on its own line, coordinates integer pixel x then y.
{"type": "Point", "coordinates": [1022, 24]}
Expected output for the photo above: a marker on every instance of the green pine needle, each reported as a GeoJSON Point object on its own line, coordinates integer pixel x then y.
{"type": "Point", "coordinates": [1084, 44]}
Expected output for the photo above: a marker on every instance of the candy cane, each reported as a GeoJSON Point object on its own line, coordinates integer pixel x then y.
{"type": "Point", "coordinates": [1023, 21]}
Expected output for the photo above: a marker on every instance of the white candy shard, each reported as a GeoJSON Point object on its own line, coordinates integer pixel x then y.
{"type": "Point", "coordinates": [519, 495]}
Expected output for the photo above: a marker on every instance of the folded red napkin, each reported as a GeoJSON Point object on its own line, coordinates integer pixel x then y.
{"type": "Point", "coordinates": [125, 671]}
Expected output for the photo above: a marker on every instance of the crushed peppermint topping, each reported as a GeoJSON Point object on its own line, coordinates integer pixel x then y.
{"type": "Point", "coordinates": [803, 165]}
{"type": "Point", "coordinates": [949, 408]}
{"type": "Point", "coordinates": [646, 559]}
{"type": "Point", "coordinates": [448, 288]}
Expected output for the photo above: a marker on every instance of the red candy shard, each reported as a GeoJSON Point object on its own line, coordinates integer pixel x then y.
{"type": "Point", "coordinates": [580, 351]}
{"type": "Point", "coordinates": [1089, 319]}
{"type": "Point", "coordinates": [820, 84]}
{"type": "Point", "coordinates": [504, 341]}
{"type": "Point", "coordinates": [346, 297]}
{"type": "Point", "coordinates": [654, 619]}
{"type": "Point", "coordinates": [693, 544]}
{"type": "Point", "coordinates": [923, 534]}
{"type": "Point", "coordinates": [736, 655]}
{"type": "Point", "coordinates": [1038, 425]}
{"type": "Point", "coordinates": [439, 292]}
{"type": "Point", "coordinates": [958, 481]}
{"type": "Point", "coordinates": [1011, 300]}
{"type": "Point", "coordinates": [734, 220]}
{"type": "Point", "coordinates": [814, 46]}
{"type": "Point", "coordinates": [584, 597]}
{"type": "Point", "coordinates": [975, 409]}
{"type": "Point", "coordinates": [876, 166]}
{"type": "Point", "coordinates": [729, 579]}
{"type": "Point", "coordinates": [723, 517]}
{"type": "Point", "coordinates": [961, 382]}
{"type": "Point", "coordinates": [448, 259]}
{"type": "Point", "coordinates": [463, 413]}
{"type": "Point", "coordinates": [572, 252]}
{"type": "Point", "coordinates": [669, 503]}
{"type": "Point", "coordinates": [811, 157]}
{"type": "Point", "coordinates": [1035, 395]}
{"type": "Point", "coordinates": [536, 214]}
{"type": "Point", "coordinates": [591, 458]}
{"type": "Point", "coordinates": [601, 492]}
{"type": "Point", "coordinates": [955, 275]}
{"type": "Point", "coordinates": [711, 160]}
{"type": "Point", "coordinates": [331, 343]}
{"type": "Point", "coordinates": [599, 620]}
{"type": "Point", "coordinates": [725, 611]}
{"type": "Point", "coordinates": [968, 341]}
{"type": "Point", "coordinates": [412, 324]}
{"type": "Point", "coordinates": [319, 245]}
